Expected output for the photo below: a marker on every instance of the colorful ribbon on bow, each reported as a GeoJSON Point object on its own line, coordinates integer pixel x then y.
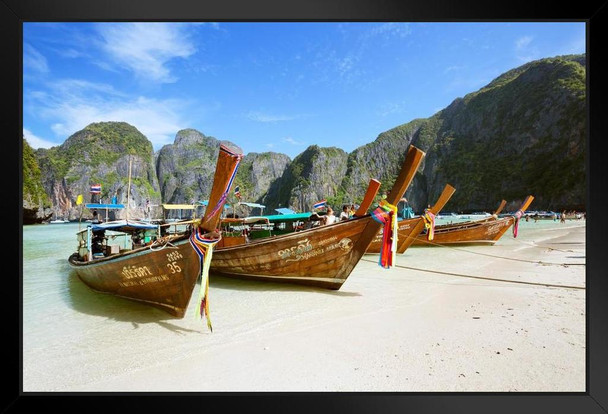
{"type": "Point", "coordinates": [204, 250]}
{"type": "Point", "coordinates": [429, 223]}
{"type": "Point", "coordinates": [517, 216]}
{"type": "Point", "coordinates": [386, 214]}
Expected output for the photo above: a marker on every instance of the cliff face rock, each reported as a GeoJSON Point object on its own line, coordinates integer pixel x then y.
{"type": "Point", "coordinates": [102, 153]}
{"type": "Point", "coordinates": [35, 200]}
{"type": "Point", "coordinates": [185, 168]}
{"type": "Point", "coordinates": [185, 171]}
{"type": "Point", "coordinates": [380, 160]}
{"type": "Point", "coordinates": [313, 175]}
{"type": "Point", "coordinates": [523, 133]}
{"type": "Point", "coordinates": [257, 173]}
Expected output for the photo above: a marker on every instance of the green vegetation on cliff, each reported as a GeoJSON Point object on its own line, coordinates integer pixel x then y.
{"type": "Point", "coordinates": [33, 191]}
{"type": "Point", "coordinates": [523, 133]}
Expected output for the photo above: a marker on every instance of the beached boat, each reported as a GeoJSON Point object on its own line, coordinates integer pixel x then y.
{"type": "Point", "coordinates": [322, 256]}
{"type": "Point", "coordinates": [411, 227]}
{"type": "Point", "coordinates": [487, 230]}
{"type": "Point", "coordinates": [142, 261]}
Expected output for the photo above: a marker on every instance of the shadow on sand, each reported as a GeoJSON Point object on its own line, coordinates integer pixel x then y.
{"type": "Point", "coordinates": [85, 300]}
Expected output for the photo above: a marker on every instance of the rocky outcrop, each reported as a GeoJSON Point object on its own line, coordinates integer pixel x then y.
{"type": "Point", "coordinates": [185, 168]}
{"type": "Point", "coordinates": [315, 174]}
{"type": "Point", "coordinates": [523, 133]}
{"type": "Point", "coordinates": [106, 153]}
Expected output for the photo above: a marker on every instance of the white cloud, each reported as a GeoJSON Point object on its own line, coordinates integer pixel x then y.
{"type": "Point", "coordinates": [523, 42]}
{"type": "Point", "coordinates": [73, 104]}
{"type": "Point", "coordinates": [525, 50]}
{"type": "Point", "coordinates": [392, 29]}
{"type": "Point", "coordinates": [264, 117]}
{"type": "Point", "coordinates": [453, 68]}
{"type": "Point", "coordinates": [35, 141]}
{"type": "Point", "coordinates": [33, 60]}
{"type": "Point", "coordinates": [390, 108]}
{"type": "Point", "coordinates": [146, 48]}
{"type": "Point", "coordinates": [292, 141]}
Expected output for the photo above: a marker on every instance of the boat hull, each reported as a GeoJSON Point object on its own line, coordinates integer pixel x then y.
{"type": "Point", "coordinates": [164, 278]}
{"type": "Point", "coordinates": [321, 257]}
{"type": "Point", "coordinates": [485, 231]}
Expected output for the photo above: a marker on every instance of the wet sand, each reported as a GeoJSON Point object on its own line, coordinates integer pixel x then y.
{"type": "Point", "coordinates": [443, 319]}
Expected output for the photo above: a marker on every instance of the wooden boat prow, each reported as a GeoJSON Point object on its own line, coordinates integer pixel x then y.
{"type": "Point", "coordinates": [162, 273]}
{"type": "Point", "coordinates": [410, 228]}
{"type": "Point", "coordinates": [484, 231]}
{"type": "Point", "coordinates": [322, 256]}
{"type": "Point", "coordinates": [368, 198]}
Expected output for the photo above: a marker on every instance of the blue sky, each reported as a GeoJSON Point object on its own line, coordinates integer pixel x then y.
{"type": "Point", "coordinates": [278, 86]}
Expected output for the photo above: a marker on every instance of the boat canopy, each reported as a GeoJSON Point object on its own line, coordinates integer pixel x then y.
{"type": "Point", "coordinates": [124, 225]}
{"type": "Point", "coordinates": [245, 220]}
{"type": "Point", "coordinates": [288, 217]}
{"type": "Point", "coordinates": [284, 210]}
{"type": "Point", "coordinates": [253, 205]}
{"type": "Point", "coordinates": [179, 206]}
{"type": "Point", "coordinates": [105, 206]}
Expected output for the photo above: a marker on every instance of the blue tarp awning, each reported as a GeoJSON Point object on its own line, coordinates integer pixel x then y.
{"type": "Point", "coordinates": [104, 206]}
{"type": "Point", "coordinates": [285, 210]}
{"type": "Point", "coordinates": [288, 217]}
{"type": "Point", "coordinates": [252, 204]}
{"type": "Point", "coordinates": [123, 225]}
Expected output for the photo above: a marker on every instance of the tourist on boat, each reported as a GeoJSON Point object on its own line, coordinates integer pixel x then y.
{"type": "Point", "coordinates": [96, 218]}
{"type": "Point", "coordinates": [344, 214]}
{"type": "Point", "coordinates": [329, 217]}
{"type": "Point", "coordinates": [351, 211]}
{"type": "Point", "coordinates": [314, 220]}
{"type": "Point", "coordinates": [97, 241]}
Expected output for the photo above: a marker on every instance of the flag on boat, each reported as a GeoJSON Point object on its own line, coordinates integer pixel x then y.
{"type": "Point", "coordinates": [319, 204]}
{"type": "Point", "coordinates": [96, 189]}
{"type": "Point", "coordinates": [79, 199]}
{"type": "Point", "coordinates": [237, 192]}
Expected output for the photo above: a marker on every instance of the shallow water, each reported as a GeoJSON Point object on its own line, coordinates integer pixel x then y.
{"type": "Point", "coordinates": [73, 336]}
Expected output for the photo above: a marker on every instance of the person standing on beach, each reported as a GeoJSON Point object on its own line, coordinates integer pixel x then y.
{"type": "Point", "coordinates": [562, 217]}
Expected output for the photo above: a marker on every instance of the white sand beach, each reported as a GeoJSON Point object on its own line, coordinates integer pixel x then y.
{"type": "Point", "coordinates": [443, 319]}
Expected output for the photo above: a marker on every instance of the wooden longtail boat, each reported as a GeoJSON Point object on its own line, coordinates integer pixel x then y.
{"type": "Point", "coordinates": [163, 272]}
{"type": "Point", "coordinates": [410, 228]}
{"type": "Point", "coordinates": [484, 231]}
{"type": "Point", "coordinates": [322, 256]}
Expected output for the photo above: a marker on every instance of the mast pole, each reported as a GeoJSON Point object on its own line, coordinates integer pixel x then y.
{"type": "Point", "coordinates": [128, 188]}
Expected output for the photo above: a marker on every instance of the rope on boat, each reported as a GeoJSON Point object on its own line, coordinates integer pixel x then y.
{"type": "Point", "coordinates": [162, 242]}
{"type": "Point", "coordinates": [486, 278]}
{"type": "Point", "coordinates": [502, 257]}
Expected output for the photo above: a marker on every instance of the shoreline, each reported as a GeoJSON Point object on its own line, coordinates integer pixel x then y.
{"type": "Point", "coordinates": [386, 330]}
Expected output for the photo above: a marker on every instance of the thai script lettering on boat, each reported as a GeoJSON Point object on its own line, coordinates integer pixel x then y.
{"type": "Point", "coordinates": [130, 272]}
{"type": "Point", "coordinates": [304, 249]}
